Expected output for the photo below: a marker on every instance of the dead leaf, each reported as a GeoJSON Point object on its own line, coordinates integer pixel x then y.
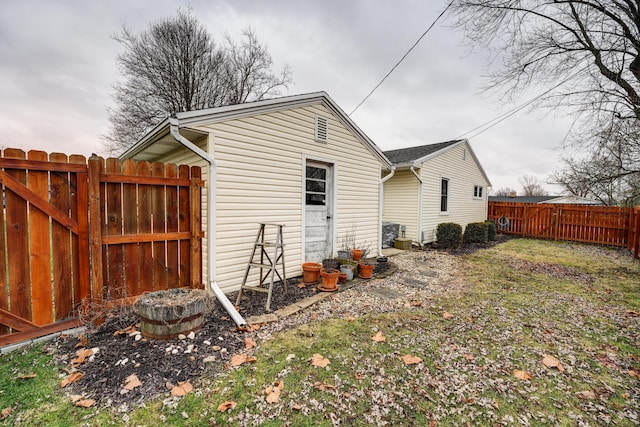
{"type": "Point", "coordinates": [351, 318]}
{"type": "Point", "coordinates": [127, 330]}
{"type": "Point", "coordinates": [410, 360]}
{"type": "Point", "coordinates": [226, 406]}
{"type": "Point", "coordinates": [240, 359]}
{"type": "Point", "coordinates": [323, 386]}
{"type": "Point", "coordinates": [81, 356]}
{"type": "Point", "coordinates": [522, 375]}
{"type": "Point", "coordinates": [6, 412]}
{"type": "Point", "coordinates": [297, 406]}
{"type": "Point", "coordinates": [75, 376]}
{"type": "Point", "coordinates": [319, 360]}
{"type": "Point", "coordinates": [634, 372]}
{"type": "Point", "coordinates": [446, 315]}
{"type": "Point", "coordinates": [249, 343]}
{"type": "Point", "coordinates": [302, 285]}
{"type": "Point", "coordinates": [552, 362]}
{"type": "Point", "coordinates": [183, 388]}
{"type": "Point", "coordinates": [82, 341]}
{"type": "Point", "coordinates": [469, 357]}
{"type": "Point", "coordinates": [588, 395]}
{"type": "Point", "coordinates": [378, 337]}
{"type": "Point", "coordinates": [273, 394]}
{"type": "Point", "coordinates": [85, 403]}
{"type": "Point", "coordinates": [26, 376]}
{"type": "Point", "coordinates": [633, 313]}
{"type": "Point", "coordinates": [416, 303]}
{"type": "Point", "coordinates": [131, 382]}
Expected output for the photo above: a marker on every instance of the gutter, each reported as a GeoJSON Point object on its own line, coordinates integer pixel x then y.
{"type": "Point", "coordinates": [418, 235]}
{"type": "Point", "coordinates": [381, 206]}
{"type": "Point", "coordinates": [211, 244]}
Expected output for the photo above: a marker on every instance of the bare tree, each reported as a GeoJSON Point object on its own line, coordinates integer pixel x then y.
{"type": "Point", "coordinates": [531, 186]}
{"type": "Point", "coordinates": [504, 191]}
{"type": "Point", "coordinates": [587, 49]}
{"type": "Point", "coordinates": [175, 65]}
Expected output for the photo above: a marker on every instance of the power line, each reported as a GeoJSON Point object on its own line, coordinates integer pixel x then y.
{"type": "Point", "coordinates": [502, 117]}
{"type": "Point", "coordinates": [403, 57]}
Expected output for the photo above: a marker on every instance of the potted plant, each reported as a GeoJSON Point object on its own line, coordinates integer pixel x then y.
{"type": "Point", "coordinates": [347, 242]}
{"type": "Point", "coordinates": [329, 279]}
{"type": "Point", "coordinates": [365, 267]}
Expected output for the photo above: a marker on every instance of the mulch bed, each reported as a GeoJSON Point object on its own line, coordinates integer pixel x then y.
{"type": "Point", "coordinates": [120, 356]}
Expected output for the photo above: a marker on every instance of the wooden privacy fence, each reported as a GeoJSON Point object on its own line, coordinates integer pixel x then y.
{"type": "Point", "coordinates": [79, 235]}
{"type": "Point", "coordinates": [604, 225]}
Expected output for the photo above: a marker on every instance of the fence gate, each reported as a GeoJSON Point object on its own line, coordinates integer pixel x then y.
{"type": "Point", "coordinates": [79, 236]}
{"type": "Point", "coordinates": [44, 267]}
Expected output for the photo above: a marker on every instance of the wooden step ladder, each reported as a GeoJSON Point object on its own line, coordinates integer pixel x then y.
{"type": "Point", "coordinates": [261, 260]}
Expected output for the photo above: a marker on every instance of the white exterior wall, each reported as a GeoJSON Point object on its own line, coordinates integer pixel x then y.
{"type": "Point", "coordinates": [401, 201]}
{"type": "Point", "coordinates": [261, 161]}
{"type": "Point", "coordinates": [459, 165]}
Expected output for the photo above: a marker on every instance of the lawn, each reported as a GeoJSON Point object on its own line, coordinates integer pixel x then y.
{"type": "Point", "coordinates": [544, 333]}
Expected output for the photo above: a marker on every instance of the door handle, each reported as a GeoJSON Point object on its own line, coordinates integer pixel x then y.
{"type": "Point", "coordinates": [328, 216]}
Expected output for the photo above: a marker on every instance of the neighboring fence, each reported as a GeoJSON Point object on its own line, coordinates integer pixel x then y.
{"type": "Point", "coordinates": [605, 225]}
{"type": "Point", "coordinates": [83, 235]}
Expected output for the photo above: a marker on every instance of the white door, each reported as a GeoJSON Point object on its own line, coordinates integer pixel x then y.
{"type": "Point", "coordinates": [318, 211]}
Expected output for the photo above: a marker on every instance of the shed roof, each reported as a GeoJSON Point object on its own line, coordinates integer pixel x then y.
{"type": "Point", "coordinates": [158, 141]}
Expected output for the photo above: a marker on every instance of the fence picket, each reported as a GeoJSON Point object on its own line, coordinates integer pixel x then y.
{"type": "Point", "coordinates": [145, 250]}
{"type": "Point", "coordinates": [130, 223]}
{"type": "Point", "coordinates": [171, 215]}
{"type": "Point", "coordinates": [158, 226]}
{"type": "Point", "coordinates": [184, 225]}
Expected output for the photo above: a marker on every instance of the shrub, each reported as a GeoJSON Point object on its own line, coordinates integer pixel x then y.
{"type": "Point", "coordinates": [449, 235]}
{"type": "Point", "coordinates": [491, 228]}
{"type": "Point", "coordinates": [476, 232]}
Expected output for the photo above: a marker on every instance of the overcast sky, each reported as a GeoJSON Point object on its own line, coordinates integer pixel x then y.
{"type": "Point", "coordinates": [57, 69]}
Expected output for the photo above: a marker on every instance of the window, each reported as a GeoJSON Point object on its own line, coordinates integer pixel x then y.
{"type": "Point", "coordinates": [444, 195]}
{"type": "Point", "coordinates": [322, 129]}
{"type": "Point", "coordinates": [477, 192]}
{"type": "Point", "coordinates": [316, 186]}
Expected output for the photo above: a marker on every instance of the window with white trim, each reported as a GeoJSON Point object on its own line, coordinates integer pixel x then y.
{"type": "Point", "coordinates": [477, 191]}
{"type": "Point", "coordinates": [444, 195]}
{"type": "Point", "coordinates": [322, 129]}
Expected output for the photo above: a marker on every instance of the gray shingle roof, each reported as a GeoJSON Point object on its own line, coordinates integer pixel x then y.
{"type": "Point", "coordinates": [521, 199]}
{"type": "Point", "coordinates": [410, 154]}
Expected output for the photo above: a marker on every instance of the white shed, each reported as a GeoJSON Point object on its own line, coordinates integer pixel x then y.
{"type": "Point", "coordinates": [296, 160]}
{"type": "Point", "coordinates": [433, 184]}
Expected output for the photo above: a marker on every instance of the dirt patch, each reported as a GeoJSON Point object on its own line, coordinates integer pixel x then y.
{"type": "Point", "coordinates": [554, 270]}
{"type": "Point", "coordinates": [161, 364]}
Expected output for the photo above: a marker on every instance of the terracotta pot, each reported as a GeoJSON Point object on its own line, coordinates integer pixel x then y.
{"type": "Point", "coordinates": [329, 280]}
{"type": "Point", "coordinates": [343, 278]}
{"type": "Point", "coordinates": [311, 272]}
{"type": "Point", "coordinates": [366, 270]}
{"type": "Point", "coordinates": [357, 254]}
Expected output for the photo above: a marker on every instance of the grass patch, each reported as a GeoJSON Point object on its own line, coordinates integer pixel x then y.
{"type": "Point", "coordinates": [525, 299]}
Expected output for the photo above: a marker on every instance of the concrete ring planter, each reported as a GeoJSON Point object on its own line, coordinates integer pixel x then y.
{"type": "Point", "coordinates": [167, 314]}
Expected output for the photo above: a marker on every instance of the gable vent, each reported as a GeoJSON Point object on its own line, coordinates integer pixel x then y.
{"type": "Point", "coordinates": [322, 129]}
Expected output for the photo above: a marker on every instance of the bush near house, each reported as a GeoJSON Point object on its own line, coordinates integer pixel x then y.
{"type": "Point", "coordinates": [476, 232]}
{"type": "Point", "coordinates": [449, 235]}
{"type": "Point", "coordinates": [491, 229]}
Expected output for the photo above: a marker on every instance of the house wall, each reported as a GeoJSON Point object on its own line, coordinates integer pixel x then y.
{"type": "Point", "coordinates": [401, 201]}
{"type": "Point", "coordinates": [261, 161]}
{"type": "Point", "coordinates": [463, 171]}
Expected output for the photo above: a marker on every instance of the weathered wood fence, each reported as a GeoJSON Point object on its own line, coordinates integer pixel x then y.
{"type": "Point", "coordinates": [604, 225]}
{"type": "Point", "coordinates": [79, 235]}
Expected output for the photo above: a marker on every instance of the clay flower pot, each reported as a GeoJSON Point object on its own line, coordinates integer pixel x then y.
{"type": "Point", "coordinates": [357, 254]}
{"type": "Point", "coordinates": [329, 280]}
{"type": "Point", "coordinates": [366, 270]}
{"type": "Point", "coordinates": [342, 278]}
{"type": "Point", "coordinates": [311, 272]}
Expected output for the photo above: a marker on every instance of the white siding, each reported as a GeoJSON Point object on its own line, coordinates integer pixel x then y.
{"type": "Point", "coordinates": [401, 201]}
{"type": "Point", "coordinates": [463, 172]}
{"type": "Point", "coordinates": [261, 176]}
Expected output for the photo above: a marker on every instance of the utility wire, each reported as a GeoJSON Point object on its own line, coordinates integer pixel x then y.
{"type": "Point", "coordinates": [403, 57]}
{"type": "Point", "coordinates": [496, 120]}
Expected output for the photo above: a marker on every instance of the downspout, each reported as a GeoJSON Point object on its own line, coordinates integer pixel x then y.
{"type": "Point", "coordinates": [211, 205]}
{"type": "Point", "coordinates": [418, 237]}
{"type": "Point", "coordinates": [381, 206]}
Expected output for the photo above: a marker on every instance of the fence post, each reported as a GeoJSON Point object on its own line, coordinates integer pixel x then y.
{"type": "Point", "coordinates": [95, 238]}
{"type": "Point", "coordinates": [195, 191]}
